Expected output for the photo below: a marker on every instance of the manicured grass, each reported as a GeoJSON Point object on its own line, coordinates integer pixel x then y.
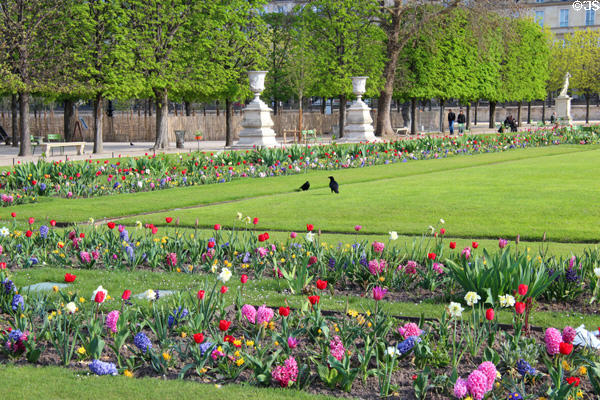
{"type": "Point", "coordinates": [62, 383]}
{"type": "Point", "coordinates": [493, 196]}
{"type": "Point", "coordinates": [80, 210]}
{"type": "Point", "coordinates": [265, 291]}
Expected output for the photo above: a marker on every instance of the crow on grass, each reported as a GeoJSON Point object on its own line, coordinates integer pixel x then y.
{"type": "Point", "coordinates": [304, 187]}
{"type": "Point", "coordinates": [333, 185]}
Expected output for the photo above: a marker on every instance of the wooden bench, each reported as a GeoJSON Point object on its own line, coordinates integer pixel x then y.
{"type": "Point", "coordinates": [49, 146]}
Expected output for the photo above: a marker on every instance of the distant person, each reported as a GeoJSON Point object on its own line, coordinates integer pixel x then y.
{"type": "Point", "coordinates": [451, 119]}
{"type": "Point", "coordinates": [510, 122]}
{"type": "Point", "coordinates": [461, 119]}
{"type": "Point", "coordinates": [553, 118]}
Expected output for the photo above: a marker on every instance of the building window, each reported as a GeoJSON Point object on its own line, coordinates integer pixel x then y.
{"type": "Point", "coordinates": [564, 18]}
{"type": "Point", "coordinates": [539, 17]}
{"type": "Point", "coordinates": [539, 1]}
{"type": "Point", "coordinates": [590, 17]}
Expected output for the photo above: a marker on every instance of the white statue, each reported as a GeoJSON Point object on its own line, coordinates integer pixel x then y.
{"type": "Point", "coordinates": [563, 92]}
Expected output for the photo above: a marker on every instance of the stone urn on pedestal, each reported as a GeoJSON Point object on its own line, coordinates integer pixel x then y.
{"type": "Point", "coordinates": [359, 124]}
{"type": "Point", "coordinates": [257, 125]}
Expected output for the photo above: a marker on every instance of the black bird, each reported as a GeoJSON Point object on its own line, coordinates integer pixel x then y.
{"type": "Point", "coordinates": [131, 143]}
{"type": "Point", "coordinates": [304, 187]}
{"type": "Point", "coordinates": [333, 185]}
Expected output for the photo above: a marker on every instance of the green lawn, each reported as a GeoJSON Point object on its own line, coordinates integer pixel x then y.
{"type": "Point", "coordinates": [553, 190]}
{"type": "Point", "coordinates": [62, 383]}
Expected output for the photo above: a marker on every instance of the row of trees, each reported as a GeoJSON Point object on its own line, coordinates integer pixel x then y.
{"type": "Point", "coordinates": [192, 50]}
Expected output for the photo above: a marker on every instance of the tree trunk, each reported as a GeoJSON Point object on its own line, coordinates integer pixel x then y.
{"type": "Point", "coordinates": [150, 107]}
{"type": "Point", "coordinates": [468, 126]}
{"type": "Point", "coordinates": [544, 111]}
{"type": "Point", "coordinates": [476, 110]}
{"type": "Point", "coordinates": [405, 114]}
{"type": "Point", "coordinates": [217, 105]}
{"type": "Point", "coordinates": [162, 119]}
{"type": "Point", "coordinates": [441, 115]}
{"type": "Point", "coordinates": [300, 110]}
{"type": "Point", "coordinates": [492, 124]}
{"type": "Point", "coordinates": [98, 115]}
{"type": "Point", "coordinates": [393, 47]}
{"type": "Point", "coordinates": [323, 104]}
{"type": "Point", "coordinates": [587, 108]}
{"type": "Point", "coordinates": [188, 109]}
{"type": "Point", "coordinates": [519, 114]}
{"type": "Point", "coordinates": [275, 107]}
{"type": "Point", "coordinates": [25, 146]}
{"type": "Point", "coordinates": [14, 111]}
{"type": "Point", "coordinates": [529, 113]}
{"type": "Point", "coordinates": [68, 119]}
{"type": "Point", "coordinates": [413, 116]}
{"type": "Point", "coordinates": [342, 120]}
{"type": "Point", "coordinates": [228, 127]}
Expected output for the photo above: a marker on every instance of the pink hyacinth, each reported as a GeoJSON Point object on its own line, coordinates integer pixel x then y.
{"type": "Point", "coordinates": [410, 329]}
{"type": "Point", "coordinates": [477, 384]}
{"type": "Point", "coordinates": [261, 251]}
{"type": "Point", "coordinates": [552, 339]}
{"type": "Point", "coordinates": [377, 267]}
{"type": "Point", "coordinates": [411, 268]}
{"type": "Point", "coordinates": [249, 312]}
{"type": "Point", "coordinates": [293, 235]}
{"type": "Point", "coordinates": [85, 257]}
{"type": "Point", "coordinates": [460, 388]}
{"type": "Point", "coordinates": [439, 268]}
{"type": "Point", "coordinates": [466, 252]}
{"type": "Point", "coordinates": [489, 370]}
{"type": "Point", "coordinates": [378, 247]}
{"type": "Point", "coordinates": [95, 254]}
{"type": "Point", "coordinates": [568, 334]}
{"type": "Point", "coordinates": [264, 315]}
{"type": "Point", "coordinates": [171, 259]}
{"type": "Point", "coordinates": [111, 320]}
{"type": "Point", "coordinates": [284, 374]}
{"type": "Point", "coordinates": [337, 348]}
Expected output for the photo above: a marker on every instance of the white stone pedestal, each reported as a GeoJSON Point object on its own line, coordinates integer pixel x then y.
{"type": "Point", "coordinates": [257, 127]}
{"type": "Point", "coordinates": [359, 124]}
{"type": "Point", "coordinates": [257, 123]}
{"type": "Point", "coordinates": [563, 108]}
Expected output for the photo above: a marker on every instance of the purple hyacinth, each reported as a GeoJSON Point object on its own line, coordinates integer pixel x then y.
{"type": "Point", "coordinates": [17, 301]}
{"type": "Point", "coordinates": [571, 275]}
{"type": "Point", "coordinates": [407, 344]}
{"type": "Point", "coordinates": [44, 231]}
{"type": "Point", "coordinates": [103, 368]}
{"type": "Point", "coordinates": [204, 347]}
{"type": "Point", "coordinates": [524, 368]}
{"type": "Point", "coordinates": [15, 335]}
{"type": "Point", "coordinates": [142, 342]}
{"type": "Point", "coordinates": [9, 286]}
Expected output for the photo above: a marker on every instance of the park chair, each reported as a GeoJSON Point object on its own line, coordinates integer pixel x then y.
{"type": "Point", "coordinates": [309, 133]}
{"type": "Point", "coordinates": [55, 137]}
{"type": "Point", "coordinates": [35, 142]}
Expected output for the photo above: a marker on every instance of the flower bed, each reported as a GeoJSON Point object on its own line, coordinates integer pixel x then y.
{"type": "Point", "coordinates": [26, 182]}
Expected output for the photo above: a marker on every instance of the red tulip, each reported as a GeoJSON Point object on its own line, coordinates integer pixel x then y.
{"type": "Point", "coordinates": [52, 222]}
{"type": "Point", "coordinates": [111, 225]}
{"type": "Point", "coordinates": [255, 221]}
{"type": "Point", "coordinates": [431, 256]}
{"type": "Point", "coordinates": [314, 299]}
{"type": "Point", "coordinates": [475, 245]}
{"type": "Point", "coordinates": [523, 289]}
{"type": "Point", "coordinates": [519, 307]}
{"type": "Point", "coordinates": [223, 289]}
{"type": "Point", "coordinates": [244, 278]}
{"type": "Point", "coordinates": [565, 348]}
{"type": "Point", "coordinates": [572, 380]}
{"type": "Point", "coordinates": [28, 234]}
{"type": "Point", "coordinates": [310, 227]}
{"type": "Point", "coordinates": [198, 338]}
{"type": "Point", "coordinates": [126, 294]}
{"type": "Point", "coordinates": [13, 214]}
{"type": "Point", "coordinates": [211, 244]}
{"type": "Point", "coordinates": [100, 295]}
{"type": "Point", "coordinates": [217, 227]}
{"type": "Point", "coordinates": [489, 314]}
{"type": "Point", "coordinates": [168, 220]}
{"type": "Point", "coordinates": [321, 285]}
{"type": "Point", "coordinates": [2, 265]}
{"type": "Point", "coordinates": [200, 294]}
{"type": "Point", "coordinates": [442, 231]}
{"type": "Point", "coordinates": [82, 235]}
{"type": "Point", "coordinates": [261, 238]}
{"type": "Point", "coordinates": [70, 278]}
{"type": "Point", "coordinates": [284, 311]}
{"type": "Point", "coordinates": [31, 220]}
{"type": "Point", "coordinates": [452, 245]}
{"type": "Point", "coordinates": [224, 325]}
{"type": "Point", "coordinates": [266, 235]}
